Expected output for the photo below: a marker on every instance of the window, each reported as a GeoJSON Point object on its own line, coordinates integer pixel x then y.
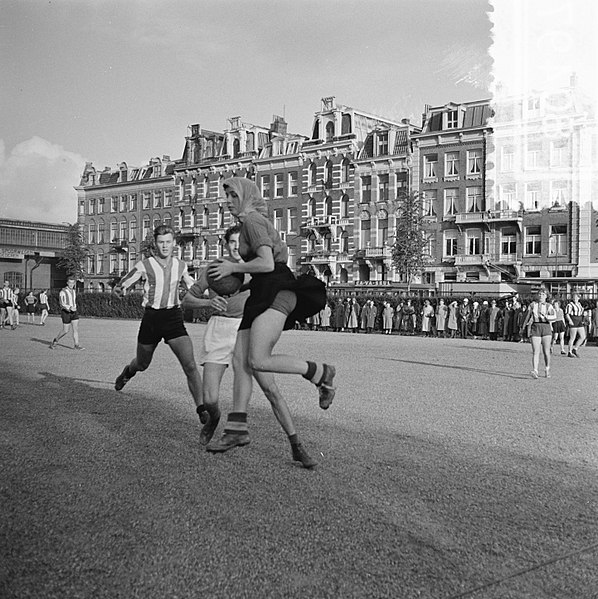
{"type": "Point", "coordinates": [133, 202]}
{"type": "Point", "coordinates": [92, 206]}
{"type": "Point", "coordinates": [508, 243]}
{"type": "Point", "coordinates": [430, 166]}
{"type": "Point", "coordinates": [167, 199]}
{"type": "Point", "coordinates": [383, 143]}
{"type": "Point", "coordinates": [114, 204]}
{"type": "Point", "coordinates": [474, 242]}
{"type": "Point", "coordinates": [157, 199]}
{"type": "Point", "coordinates": [558, 152]}
{"type": "Point", "coordinates": [91, 234]}
{"type": "Point", "coordinates": [366, 189]}
{"type": "Point", "coordinates": [328, 206]}
{"type": "Point", "coordinates": [113, 232]}
{"type": "Point", "coordinates": [345, 243]}
{"type": "Point", "coordinates": [146, 200]}
{"type": "Point", "coordinates": [101, 206]}
{"type": "Point", "coordinates": [293, 219]}
{"type": "Point", "coordinates": [123, 203]}
{"type": "Point", "coordinates": [558, 196]}
{"type": "Point", "coordinates": [451, 164]}
{"type": "Point", "coordinates": [91, 265]}
{"type": "Point", "coordinates": [452, 119]}
{"type": "Point", "coordinates": [293, 189]}
{"type": "Point", "coordinates": [123, 230]}
{"type": "Point", "coordinates": [428, 200]}
{"type": "Point", "coordinates": [450, 243]}
{"type": "Point", "coordinates": [345, 206]}
{"type": "Point", "coordinates": [382, 227]}
{"type": "Point", "coordinates": [133, 229]}
{"type": "Point", "coordinates": [101, 235]}
{"type": "Point", "coordinates": [278, 185]}
{"type": "Point", "coordinates": [329, 131]}
{"type": "Point", "coordinates": [532, 196]}
{"type": "Point", "coordinates": [311, 207]}
{"type": "Point", "coordinates": [365, 230]}
{"type": "Point", "coordinates": [157, 221]}
{"type": "Point", "coordinates": [205, 188]}
{"type": "Point", "coordinates": [82, 208]}
{"type": "Point", "coordinates": [266, 186]}
{"type": "Point", "coordinates": [558, 240]}
{"type": "Point", "coordinates": [278, 225]}
{"type": "Point", "coordinates": [167, 220]}
{"type": "Point", "coordinates": [533, 240]}
{"type": "Point", "coordinates": [474, 162]}
{"type": "Point", "coordinates": [113, 264]}
{"type": "Point", "coordinates": [533, 157]}
{"type": "Point", "coordinates": [450, 201]}
{"type": "Point", "coordinates": [205, 219]}
{"type": "Point", "coordinates": [328, 174]}
{"type": "Point", "coordinates": [507, 160]}
{"type": "Point", "coordinates": [146, 226]}
{"type": "Point", "coordinates": [383, 188]}
{"type": "Point", "coordinates": [345, 171]}
{"type": "Point", "coordinates": [533, 105]}
{"type": "Point", "coordinates": [312, 172]}
{"type": "Point", "coordinates": [474, 199]}
{"type": "Point", "coordinates": [100, 262]}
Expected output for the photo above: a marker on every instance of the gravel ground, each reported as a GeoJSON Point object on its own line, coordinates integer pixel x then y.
{"type": "Point", "coordinates": [444, 471]}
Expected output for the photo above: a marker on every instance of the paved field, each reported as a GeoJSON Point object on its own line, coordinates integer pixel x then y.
{"type": "Point", "coordinates": [444, 471]}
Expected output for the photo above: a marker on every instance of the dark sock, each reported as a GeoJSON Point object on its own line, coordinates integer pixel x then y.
{"type": "Point", "coordinates": [236, 423]}
{"type": "Point", "coordinates": [311, 371]}
{"type": "Point", "coordinates": [200, 408]}
{"type": "Point", "coordinates": [294, 439]}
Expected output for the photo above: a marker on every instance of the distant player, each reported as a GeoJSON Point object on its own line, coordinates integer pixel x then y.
{"type": "Point", "coordinates": [161, 274]}
{"type": "Point", "coordinates": [68, 314]}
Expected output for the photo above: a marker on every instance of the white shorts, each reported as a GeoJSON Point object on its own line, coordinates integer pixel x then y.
{"type": "Point", "coordinates": [219, 340]}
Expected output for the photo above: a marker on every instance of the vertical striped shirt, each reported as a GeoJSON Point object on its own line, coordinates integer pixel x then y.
{"type": "Point", "coordinates": [6, 294]}
{"type": "Point", "coordinates": [68, 299]}
{"type": "Point", "coordinates": [43, 298]}
{"type": "Point", "coordinates": [574, 311]}
{"type": "Point", "coordinates": [160, 283]}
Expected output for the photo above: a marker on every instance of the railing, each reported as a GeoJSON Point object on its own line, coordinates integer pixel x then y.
{"type": "Point", "coordinates": [378, 252]}
{"type": "Point", "coordinates": [471, 259]}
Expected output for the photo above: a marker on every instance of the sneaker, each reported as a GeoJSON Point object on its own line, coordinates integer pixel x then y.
{"type": "Point", "coordinates": [325, 388]}
{"type": "Point", "coordinates": [122, 379]}
{"type": "Point", "coordinates": [209, 428]}
{"type": "Point", "coordinates": [534, 374]}
{"type": "Point", "coordinates": [228, 441]}
{"type": "Point", "coordinates": [563, 352]}
{"type": "Point", "coordinates": [574, 352]}
{"type": "Point", "coordinates": [53, 344]}
{"type": "Point", "coordinates": [79, 347]}
{"type": "Point", "coordinates": [548, 373]}
{"type": "Point", "coordinates": [570, 355]}
{"type": "Point", "coordinates": [202, 413]}
{"type": "Point", "coordinates": [300, 455]}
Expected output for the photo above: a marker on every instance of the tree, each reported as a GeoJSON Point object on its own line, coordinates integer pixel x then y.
{"type": "Point", "coordinates": [409, 252]}
{"type": "Point", "coordinates": [147, 246]}
{"type": "Point", "coordinates": [74, 256]}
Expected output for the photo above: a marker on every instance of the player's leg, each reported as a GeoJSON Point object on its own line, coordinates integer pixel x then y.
{"type": "Point", "coordinates": [183, 350]}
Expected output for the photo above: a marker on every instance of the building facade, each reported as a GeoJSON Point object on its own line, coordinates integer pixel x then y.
{"type": "Point", "coordinates": [29, 253]}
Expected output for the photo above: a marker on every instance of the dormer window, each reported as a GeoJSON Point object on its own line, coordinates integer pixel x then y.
{"type": "Point", "coordinates": [452, 119]}
{"type": "Point", "coordinates": [329, 131]}
{"type": "Point", "coordinates": [383, 143]}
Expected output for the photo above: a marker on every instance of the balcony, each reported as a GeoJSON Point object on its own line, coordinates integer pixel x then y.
{"type": "Point", "coordinates": [319, 256]}
{"type": "Point", "coordinates": [508, 215]}
{"type": "Point", "coordinates": [465, 218]}
{"type": "Point", "coordinates": [320, 221]}
{"type": "Point", "coordinates": [378, 252]}
{"type": "Point", "coordinates": [188, 232]}
{"type": "Point", "coordinates": [471, 260]}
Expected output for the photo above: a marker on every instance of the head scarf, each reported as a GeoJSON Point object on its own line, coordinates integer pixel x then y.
{"type": "Point", "coordinates": [249, 196]}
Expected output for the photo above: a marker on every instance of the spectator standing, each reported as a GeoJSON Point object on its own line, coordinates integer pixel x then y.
{"type": "Point", "coordinates": [427, 315]}
{"type": "Point", "coordinates": [464, 318]}
{"type": "Point", "coordinates": [441, 316]}
{"type": "Point", "coordinates": [453, 318]}
{"type": "Point", "coordinates": [484, 320]}
{"type": "Point", "coordinates": [409, 318]}
{"type": "Point", "coordinates": [475, 318]}
{"type": "Point", "coordinates": [352, 315]}
{"type": "Point", "coordinates": [387, 318]}
{"type": "Point", "coordinates": [372, 315]}
{"type": "Point", "coordinates": [398, 319]}
{"type": "Point", "coordinates": [493, 319]}
{"type": "Point", "coordinates": [325, 317]}
{"type": "Point", "coordinates": [338, 316]}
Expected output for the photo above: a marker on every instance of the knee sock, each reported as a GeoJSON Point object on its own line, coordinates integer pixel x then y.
{"type": "Point", "coordinates": [236, 423]}
{"type": "Point", "coordinates": [314, 373]}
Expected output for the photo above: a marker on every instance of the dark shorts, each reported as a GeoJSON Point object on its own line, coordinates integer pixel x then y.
{"type": "Point", "coordinates": [558, 326]}
{"type": "Point", "coordinates": [30, 309]}
{"type": "Point", "coordinates": [541, 329]}
{"type": "Point", "coordinates": [68, 317]}
{"type": "Point", "coordinates": [164, 324]}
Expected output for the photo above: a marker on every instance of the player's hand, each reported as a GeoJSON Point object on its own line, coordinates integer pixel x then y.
{"type": "Point", "coordinates": [219, 303]}
{"type": "Point", "coordinates": [118, 291]}
{"type": "Point", "coordinates": [222, 269]}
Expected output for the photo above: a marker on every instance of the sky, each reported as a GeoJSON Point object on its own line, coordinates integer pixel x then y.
{"type": "Point", "coordinates": [106, 81]}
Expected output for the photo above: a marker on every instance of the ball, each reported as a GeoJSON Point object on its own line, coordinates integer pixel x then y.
{"type": "Point", "coordinates": [226, 285]}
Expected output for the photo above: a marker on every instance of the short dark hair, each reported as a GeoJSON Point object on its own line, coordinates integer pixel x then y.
{"type": "Point", "coordinates": [231, 231]}
{"type": "Point", "coordinates": [163, 230]}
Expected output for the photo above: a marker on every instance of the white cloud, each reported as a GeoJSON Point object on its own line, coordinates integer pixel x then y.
{"type": "Point", "coordinates": [36, 181]}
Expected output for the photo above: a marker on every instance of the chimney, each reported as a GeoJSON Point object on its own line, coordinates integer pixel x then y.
{"type": "Point", "coordinates": [278, 126]}
{"type": "Point", "coordinates": [195, 130]}
{"type": "Point", "coordinates": [425, 113]}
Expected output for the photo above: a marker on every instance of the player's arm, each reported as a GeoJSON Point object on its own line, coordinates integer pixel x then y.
{"type": "Point", "coordinates": [129, 279]}
{"type": "Point", "coordinates": [196, 297]}
{"type": "Point", "coordinates": [62, 300]}
{"type": "Point", "coordinates": [263, 262]}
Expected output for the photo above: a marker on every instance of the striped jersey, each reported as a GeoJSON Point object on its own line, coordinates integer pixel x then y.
{"type": "Point", "coordinates": [68, 299]}
{"type": "Point", "coordinates": [43, 298]}
{"type": "Point", "coordinates": [575, 311]}
{"type": "Point", "coordinates": [6, 294]}
{"type": "Point", "coordinates": [160, 283]}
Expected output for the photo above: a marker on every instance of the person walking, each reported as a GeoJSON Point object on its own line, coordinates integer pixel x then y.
{"type": "Point", "coordinates": [30, 303]}
{"type": "Point", "coordinates": [68, 314]}
{"type": "Point", "coordinates": [558, 327]}
{"type": "Point", "coordinates": [577, 332]}
{"type": "Point", "coordinates": [161, 274]}
{"type": "Point", "coordinates": [44, 307]}
{"type": "Point", "coordinates": [277, 300]}
{"type": "Point", "coordinates": [540, 314]}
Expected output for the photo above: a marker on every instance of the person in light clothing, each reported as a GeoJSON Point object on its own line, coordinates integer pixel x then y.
{"type": "Point", "coordinates": [161, 274]}
{"type": "Point", "coordinates": [540, 314]}
{"type": "Point", "coordinates": [68, 314]}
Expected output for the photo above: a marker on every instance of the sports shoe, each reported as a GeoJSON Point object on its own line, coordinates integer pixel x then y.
{"type": "Point", "coordinates": [209, 427]}
{"type": "Point", "coordinates": [202, 413]}
{"type": "Point", "coordinates": [563, 352]}
{"type": "Point", "coordinates": [79, 347]}
{"type": "Point", "coordinates": [325, 388]}
{"type": "Point", "coordinates": [534, 374]}
{"type": "Point", "coordinates": [53, 344]}
{"type": "Point", "coordinates": [122, 379]}
{"type": "Point", "coordinates": [300, 455]}
{"type": "Point", "coordinates": [574, 352]}
{"type": "Point", "coordinates": [548, 373]}
{"type": "Point", "coordinates": [570, 355]}
{"type": "Point", "coordinates": [228, 441]}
